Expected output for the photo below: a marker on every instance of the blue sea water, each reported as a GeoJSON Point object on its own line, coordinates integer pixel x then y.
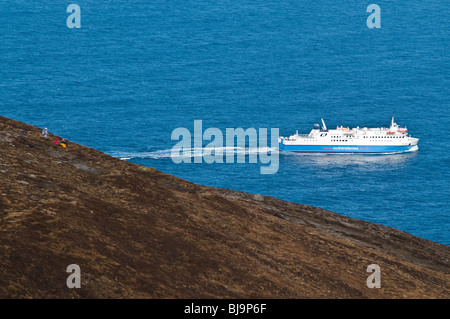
{"type": "Point", "coordinates": [136, 70]}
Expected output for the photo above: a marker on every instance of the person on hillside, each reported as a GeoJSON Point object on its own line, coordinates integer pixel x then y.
{"type": "Point", "coordinates": [56, 141]}
{"type": "Point", "coordinates": [45, 133]}
{"type": "Point", "coordinates": [63, 143]}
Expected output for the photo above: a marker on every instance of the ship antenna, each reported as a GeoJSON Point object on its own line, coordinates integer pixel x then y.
{"type": "Point", "coordinates": [324, 126]}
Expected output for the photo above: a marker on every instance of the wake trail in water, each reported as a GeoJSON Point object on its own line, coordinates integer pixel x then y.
{"type": "Point", "coordinates": [192, 152]}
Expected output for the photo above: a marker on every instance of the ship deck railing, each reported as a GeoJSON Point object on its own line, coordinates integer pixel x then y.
{"type": "Point", "coordinates": [294, 137]}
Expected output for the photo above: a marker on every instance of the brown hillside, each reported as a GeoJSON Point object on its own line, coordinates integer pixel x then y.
{"type": "Point", "coordinates": [136, 232]}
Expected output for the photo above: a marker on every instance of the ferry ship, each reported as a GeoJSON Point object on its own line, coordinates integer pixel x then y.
{"type": "Point", "coordinates": [394, 139]}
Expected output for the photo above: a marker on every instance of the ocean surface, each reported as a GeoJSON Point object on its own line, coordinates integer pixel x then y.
{"type": "Point", "coordinates": [136, 70]}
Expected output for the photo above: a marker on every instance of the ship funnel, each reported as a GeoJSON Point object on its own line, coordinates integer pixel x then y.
{"type": "Point", "coordinates": [324, 126]}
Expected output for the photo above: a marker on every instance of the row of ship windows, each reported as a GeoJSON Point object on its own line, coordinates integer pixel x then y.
{"type": "Point", "coordinates": [374, 137]}
{"type": "Point", "coordinates": [368, 137]}
{"type": "Point", "coordinates": [384, 137]}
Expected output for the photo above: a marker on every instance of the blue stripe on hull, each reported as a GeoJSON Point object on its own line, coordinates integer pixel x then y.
{"type": "Point", "coordinates": [345, 149]}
